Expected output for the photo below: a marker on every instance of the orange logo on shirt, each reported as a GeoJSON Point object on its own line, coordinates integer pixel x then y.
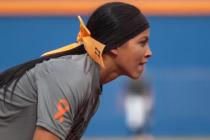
{"type": "Point", "coordinates": [62, 106]}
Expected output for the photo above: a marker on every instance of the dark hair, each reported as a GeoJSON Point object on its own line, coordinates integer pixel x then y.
{"type": "Point", "coordinates": [110, 24]}
{"type": "Point", "coordinates": [115, 23]}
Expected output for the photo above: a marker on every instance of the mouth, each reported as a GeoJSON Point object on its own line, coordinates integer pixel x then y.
{"type": "Point", "coordinates": [142, 63]}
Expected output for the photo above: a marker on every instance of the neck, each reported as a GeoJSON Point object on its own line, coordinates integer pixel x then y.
{"type": "Point", "coordinates": [110, 72]}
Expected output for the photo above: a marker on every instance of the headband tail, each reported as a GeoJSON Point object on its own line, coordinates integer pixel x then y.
{"type": "Point", "coordinates": [93, 47]}
{"type": "Point", "coordinates": [63, 49]}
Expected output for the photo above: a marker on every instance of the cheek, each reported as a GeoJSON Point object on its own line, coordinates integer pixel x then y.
{"type": "Point", "coordinates": [126, 60]}
{"type": "Point", "coordinates": [133, 60]}
{"type": "Point", "coordinates": [130, 58]}
{"type": "Point", "coordinates": [139, 54]}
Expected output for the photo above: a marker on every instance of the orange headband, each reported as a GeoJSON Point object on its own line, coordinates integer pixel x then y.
{"type": "Point", "coordinates": [93, 47]}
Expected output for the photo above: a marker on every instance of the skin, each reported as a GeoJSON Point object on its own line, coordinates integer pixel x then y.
{"type": "Point", "coordinates": [44, 134]}
{"type": "Point", "coordinates": [128, 59]}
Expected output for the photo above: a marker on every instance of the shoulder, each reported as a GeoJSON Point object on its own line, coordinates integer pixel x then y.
{"type": "Point", "coordinates": [71, 64]}
{"type": "Point", "coordinates": [73, 70]}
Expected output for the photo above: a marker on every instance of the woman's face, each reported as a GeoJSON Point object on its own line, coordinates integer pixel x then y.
{"type": "Point", "coordinates": [133, 55]}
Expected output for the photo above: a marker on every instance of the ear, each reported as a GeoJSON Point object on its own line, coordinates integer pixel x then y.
{"type": "Point", "coordinates": [114, 51]}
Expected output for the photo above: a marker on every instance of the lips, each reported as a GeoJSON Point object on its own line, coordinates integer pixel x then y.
{"type": "Point", "coordinates": [142, 63]}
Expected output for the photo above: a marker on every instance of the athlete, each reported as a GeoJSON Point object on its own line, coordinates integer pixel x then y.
{"type": "Point", "coordinates": [55, 96]}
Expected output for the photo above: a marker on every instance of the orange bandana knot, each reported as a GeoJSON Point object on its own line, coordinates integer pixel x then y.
{"type": "Point", "coordinates": [62, 106]}
{"type": "Point", "coordinates": [93, 47]}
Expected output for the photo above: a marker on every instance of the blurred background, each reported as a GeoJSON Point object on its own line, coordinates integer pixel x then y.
{"type": "Point", "coordinates": [177, 77]}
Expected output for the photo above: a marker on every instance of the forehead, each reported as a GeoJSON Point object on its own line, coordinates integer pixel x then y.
{"type": "Point", "coordinates": [139, 37]}
{"type": "Point", "coordinates": [143, 34]}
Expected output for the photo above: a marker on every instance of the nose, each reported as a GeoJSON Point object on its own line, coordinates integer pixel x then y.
{"type": "Point", "coordinates": [148, 52]}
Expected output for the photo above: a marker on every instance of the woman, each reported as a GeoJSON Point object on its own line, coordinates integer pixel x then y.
{"type": "Point", "coordinates": [54, 97]}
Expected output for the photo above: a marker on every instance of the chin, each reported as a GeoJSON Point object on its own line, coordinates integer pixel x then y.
{"type": "Point", "coordinates": [135, 76]}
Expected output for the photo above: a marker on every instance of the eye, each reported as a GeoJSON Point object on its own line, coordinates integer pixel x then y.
{"type": "Point", "coordinates": [143, 42]}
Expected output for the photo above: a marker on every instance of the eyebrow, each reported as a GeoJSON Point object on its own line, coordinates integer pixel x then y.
{"type": "Point", "coordinates": [144, 37]}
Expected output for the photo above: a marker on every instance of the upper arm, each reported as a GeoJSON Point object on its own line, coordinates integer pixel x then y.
{"type": "Point", "coordinates": [58, 92]}
{"type": "Point", "coordinates": [43, 134]}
